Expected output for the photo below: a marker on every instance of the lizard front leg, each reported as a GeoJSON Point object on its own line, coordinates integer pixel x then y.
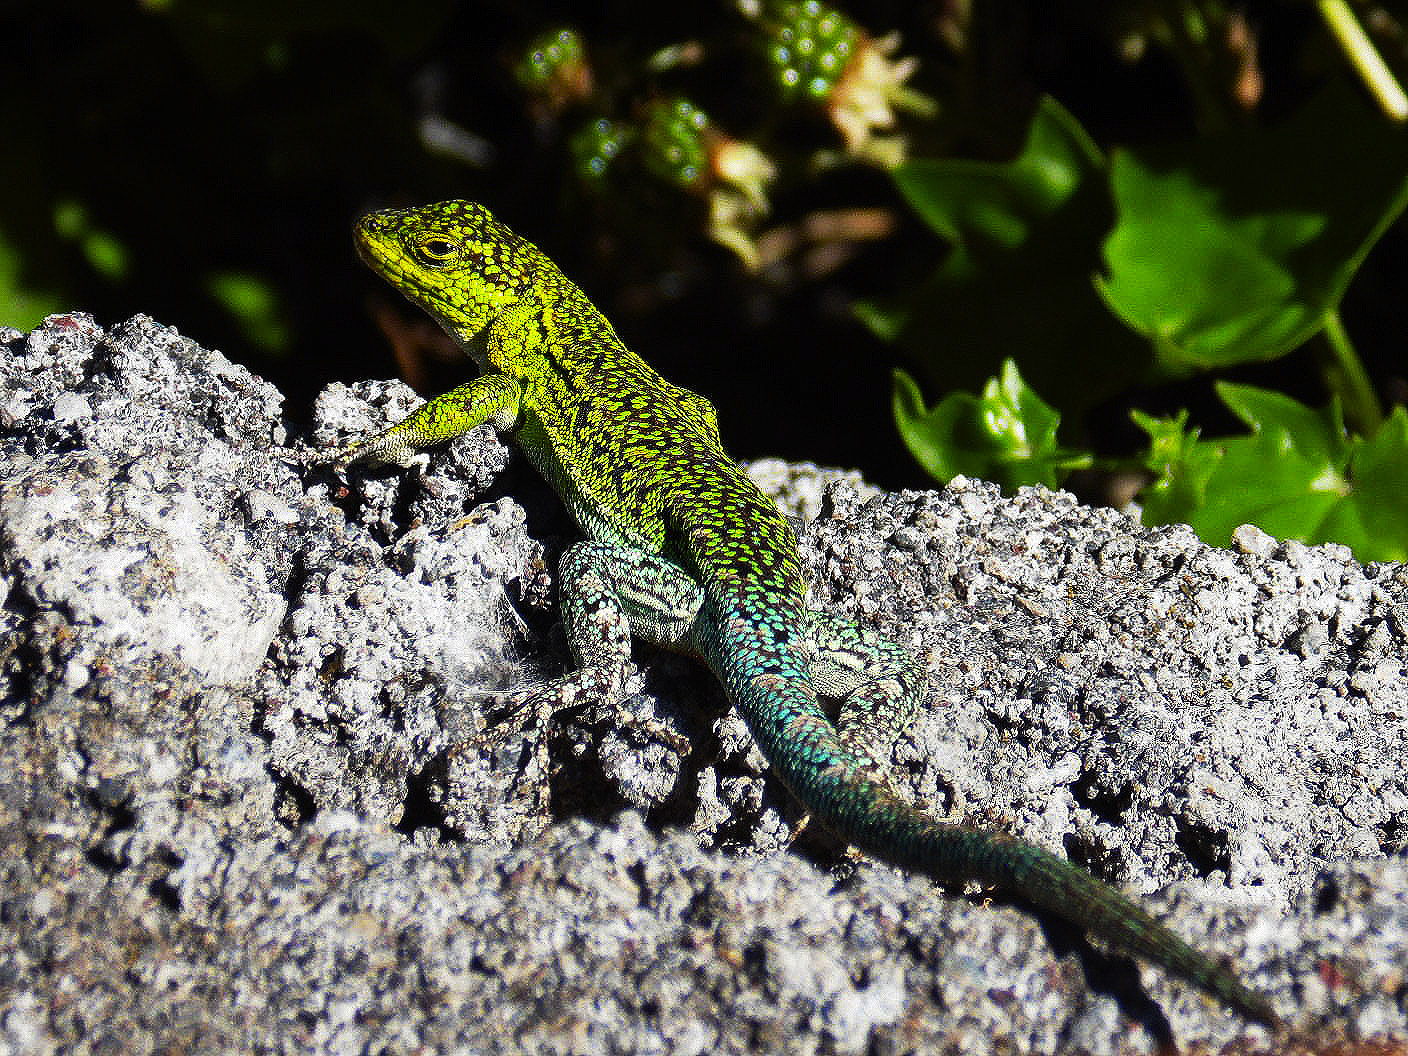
{"type": "Point", "coordinates": [492, 398]}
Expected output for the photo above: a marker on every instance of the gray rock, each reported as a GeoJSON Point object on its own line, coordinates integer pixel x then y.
{"type": "Point", "coordinates": [264, 786]}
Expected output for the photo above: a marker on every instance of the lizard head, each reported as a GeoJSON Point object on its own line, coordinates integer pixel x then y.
{"type": "Point", "coordinates": [453, 259]}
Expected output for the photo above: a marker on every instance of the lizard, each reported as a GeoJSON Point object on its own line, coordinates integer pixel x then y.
{"type": "Point", "coordinates": [684, 551]}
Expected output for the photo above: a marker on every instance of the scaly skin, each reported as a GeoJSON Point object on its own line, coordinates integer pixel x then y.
{"type": "Point", "coordinates": [684, 551]}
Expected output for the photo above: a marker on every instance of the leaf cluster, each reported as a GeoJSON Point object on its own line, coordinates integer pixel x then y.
{"type": "Point", "coordinates": [1099, 274]}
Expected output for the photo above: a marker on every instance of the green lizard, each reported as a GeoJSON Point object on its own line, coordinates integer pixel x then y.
{"type": "Point", "coordinates": [684, 551]}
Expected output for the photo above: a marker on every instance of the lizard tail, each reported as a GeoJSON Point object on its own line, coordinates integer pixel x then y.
{"type": "Point", "coordinates": [769, 681]}
{"type": "Point", "coordinates": [1070, 892]}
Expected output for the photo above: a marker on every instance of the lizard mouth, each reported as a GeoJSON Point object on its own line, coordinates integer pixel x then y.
{"type": "Point", "coordinates": [378, 248]}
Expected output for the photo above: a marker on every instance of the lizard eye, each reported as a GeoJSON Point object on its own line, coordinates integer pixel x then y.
{"type": "Point", "coordinates": [436, 252]}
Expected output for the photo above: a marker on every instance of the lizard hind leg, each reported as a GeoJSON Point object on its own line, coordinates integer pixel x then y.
{"type": "Point", "coordinates": [609, 592]}
{"type": "Point", "coordinates": [878, 684]}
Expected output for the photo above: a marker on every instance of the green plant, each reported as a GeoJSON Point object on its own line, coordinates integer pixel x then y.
{"type": "Point", "coordinates": [1153, 265]}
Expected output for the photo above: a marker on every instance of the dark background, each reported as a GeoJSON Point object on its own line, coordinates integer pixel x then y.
{"type": "Point", "coordinates": [184, 146]}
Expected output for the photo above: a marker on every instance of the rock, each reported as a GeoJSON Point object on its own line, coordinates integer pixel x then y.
{"type": "Point", "coordinates": [262, 785]}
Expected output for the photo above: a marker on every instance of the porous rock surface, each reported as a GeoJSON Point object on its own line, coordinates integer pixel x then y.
{"type": "Point", "coordinates": [262, 788]}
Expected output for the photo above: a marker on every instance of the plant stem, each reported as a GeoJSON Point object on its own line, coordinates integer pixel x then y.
{"type": "Point", "coordinates": [1345, 376]}
{"type": "Point", "coordinates": [1355, 43]}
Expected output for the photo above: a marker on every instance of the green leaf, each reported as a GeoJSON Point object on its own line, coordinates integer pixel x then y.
{"type": "Point", "coordinates": [1181, 467]}
{"type": "Point", "coordinates": [1296, 475]}
{"type": "Point", "coordinates": [254, 305]}
{"type": "Point", "coordinates": [1233, 249]}
{"type": "Point", "coordinates": [1007, 435]}
{"type": "Point", "coordinates": [104, 251]}
{"type": "Point", "coordinates": [985, 206]}
{"type": "Point", "coordinates": [1318, 435]}
{"type": "Point", "coordinates": [22, 305]}
{"type": "Point", "coordinates": [1024, 240]}
{"type": "Point", "coordinates": [1378, 472]}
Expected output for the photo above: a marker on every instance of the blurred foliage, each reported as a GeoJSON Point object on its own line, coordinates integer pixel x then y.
{"type": "Point", "coordinates": [1007, 435]}
{"type": "Point", "coordinates": [1297, 474]}
{"type": "Point", "coordinates": [1022, 240]}
{"type": "Point", "coordinates": [718, 177]}
{"type": "Point", "coordinates": [1225, 251]}
{"type": "Point", "coordinates": [202, 161]}
{"type": "Point", "coordinates": [1234, 248]}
